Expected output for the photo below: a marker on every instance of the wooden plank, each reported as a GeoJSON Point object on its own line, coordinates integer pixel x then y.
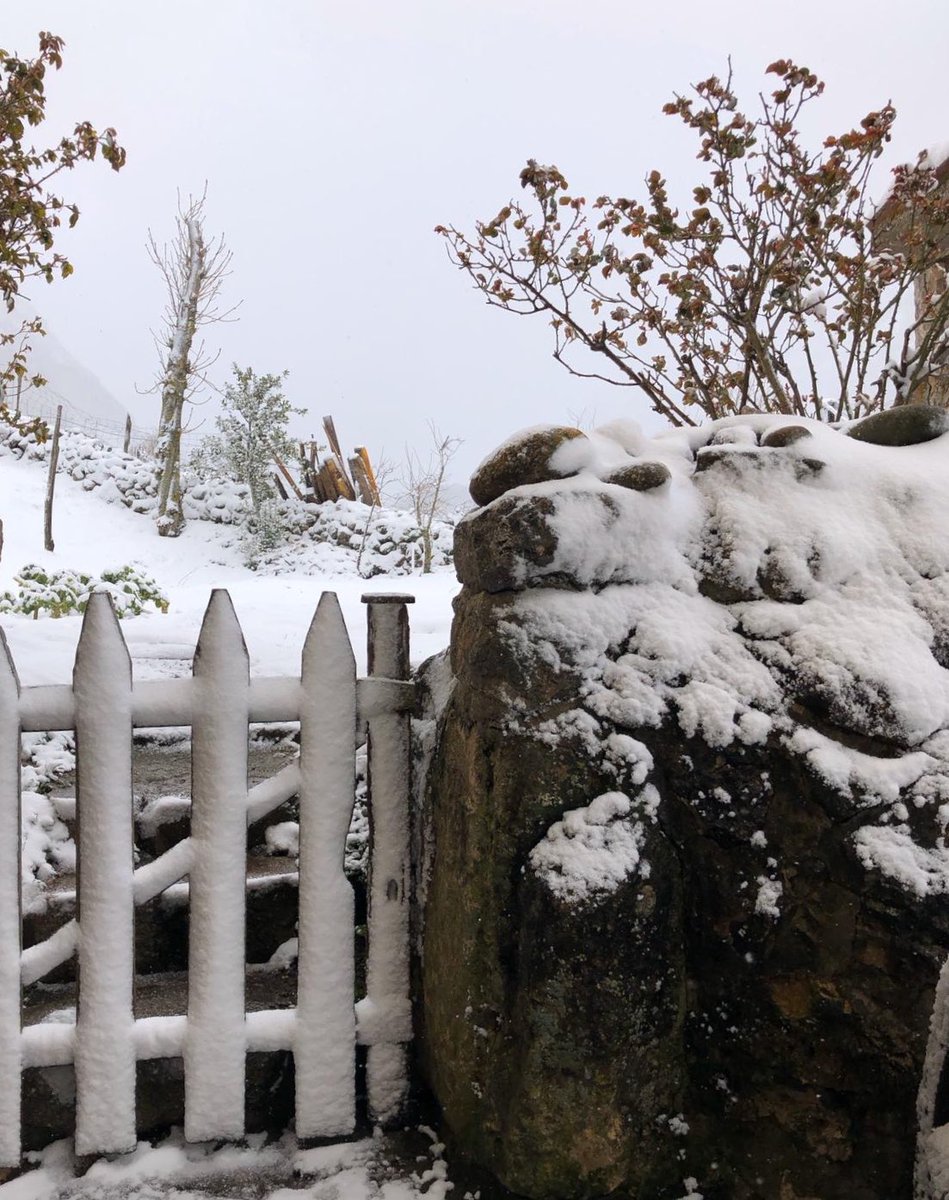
{"type": "Point", "coordinates": [328, 481]}
{"type": "Point", "coordinates": [324, 1045]}
{"type": "Point", "coordinates": [341, 484]}
{"type": "Point", "coordinates": [10, 924]}
{"type": "Point", "coordinates": [105, 1046]}
{"type": "Point", "coordinates": [329, 426]}
{"type": "Point", "coordinates": [216, 1039]}
{"type": "Point", "coordinates": [160, 703]}
{"type": "Point", "coordinates": [370, 474]}
{"type": "Point", "coordinates": [387, 962]}
{"type": "Point", "coordinates": [358, 473]}
{"type": "Point", "coordinates": [281, 467]}
{"type": "Point", "coordinates": [282, 491]}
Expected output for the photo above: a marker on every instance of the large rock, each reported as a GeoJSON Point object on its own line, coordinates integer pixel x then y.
{"type": "Point", "coordinates": [524, 459]}
{"type": "Point", "coordinates": [552, 1030]}
{"type": "Point", "coordinates": [684, 896]}
{"type": "Point", "coordinates": [906, 425]}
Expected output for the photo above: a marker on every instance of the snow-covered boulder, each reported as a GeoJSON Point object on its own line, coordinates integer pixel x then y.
{"type": "Point", "coordinates": [689, 792]}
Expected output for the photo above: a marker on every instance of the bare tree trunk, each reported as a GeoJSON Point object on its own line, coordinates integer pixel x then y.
{"type": "Point", "coordinates": [193, 271]}
{"type": "Point", "coordinates": [51, 483]}
{"type": "Point", "coordinates": [170, 515]}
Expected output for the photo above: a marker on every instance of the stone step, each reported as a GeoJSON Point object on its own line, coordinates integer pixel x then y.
{"type": "Point", "coordinates": [161, 925]}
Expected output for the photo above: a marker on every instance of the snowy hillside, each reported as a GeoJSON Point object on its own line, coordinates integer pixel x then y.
{"type": "Point", "coordinates": [94, 531]}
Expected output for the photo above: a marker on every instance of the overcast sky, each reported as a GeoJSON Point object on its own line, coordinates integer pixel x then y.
{"type": "Point", "coordinates": [333, 137]}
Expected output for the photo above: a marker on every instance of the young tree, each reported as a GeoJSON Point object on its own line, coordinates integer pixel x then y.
{"type": "Point", "coordinates": [252, 429]}
{"type": "Point", "coordinates": [194, 271]}
{"type": "Point", "coordinates": [423, 486]}
{"type": "Point", "coordinates": [771, 290]}
{"type": "Point", "coordinates": [30, 211]}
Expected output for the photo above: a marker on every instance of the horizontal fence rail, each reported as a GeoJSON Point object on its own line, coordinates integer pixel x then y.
{"type": "Point", "coordinates": [335, 710]}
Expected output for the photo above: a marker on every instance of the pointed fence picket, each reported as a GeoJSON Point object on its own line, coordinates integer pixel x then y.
{"type": "Point", "coordinates": [214, 1046]}
{"type": "Point", "coordinates": [214, 1036]}
{"type": "Point", "coordinates": [105, 1050]}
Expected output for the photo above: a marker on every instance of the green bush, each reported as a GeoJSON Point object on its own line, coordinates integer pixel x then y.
{"type": "Point", "coordinates": [63, 592]}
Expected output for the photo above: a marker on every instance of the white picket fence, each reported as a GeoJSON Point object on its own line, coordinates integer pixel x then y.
{"type": "Point", "coordinates": [333, 707]}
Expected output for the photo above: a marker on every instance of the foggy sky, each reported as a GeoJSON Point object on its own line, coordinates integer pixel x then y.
{"type": "Point", "coordinates": [333, 137]}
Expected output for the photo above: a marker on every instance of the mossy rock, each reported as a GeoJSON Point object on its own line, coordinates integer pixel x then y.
{"type": "Point", "coordinates": [786, 435]}
{"type": "Point", "coordinates": [907, 425]}
{"type": "Point", "coordinates": [641, 476]}
{"type": "Point", "coordinates": [523, 460]}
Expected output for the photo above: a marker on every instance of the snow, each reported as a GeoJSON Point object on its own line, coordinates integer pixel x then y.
{"type": "Point", "coordinates": [280, 1170]}
{"type": "Point", "coordinates": [767, 902]}
{"type": "Point", "coordinates": [891, 849]}
{"type": "Point", "coordinates": [591, 850]}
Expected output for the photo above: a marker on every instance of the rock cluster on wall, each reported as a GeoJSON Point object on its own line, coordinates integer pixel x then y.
{"type": "Point", "coordinates": [684, 893]}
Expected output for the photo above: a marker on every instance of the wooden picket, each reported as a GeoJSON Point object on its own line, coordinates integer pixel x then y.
{"type": "Point", "coordinates": [214, 1047]}
{"type": "Point", "coordinates": [213, 1037]}
{"type": "Point", "coordinates": [105, 1051]}
{"type": "Point", "coordinates": [326, 1094]}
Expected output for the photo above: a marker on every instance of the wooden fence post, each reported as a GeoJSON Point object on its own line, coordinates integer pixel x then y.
{"type": "Point", "coordinates": [387, 963]}
{"type": "Point", "coordinates": [128, 434]}
{"type": "Point", "coordinates": [51, 483]}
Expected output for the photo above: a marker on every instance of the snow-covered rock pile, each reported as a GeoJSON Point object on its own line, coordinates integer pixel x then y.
{"type": "Point", "coordinates": [351, 536]}
{"type": "Point", "coordinates": [124, 479]}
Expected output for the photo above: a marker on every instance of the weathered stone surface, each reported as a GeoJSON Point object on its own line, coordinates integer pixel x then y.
{"type": "Point", "coordinates": [524, 460]}
{"type": "Point", "coordinates": [906, 425]}
{"type": "Point", "coordinates": [641, 476]}
{"type": "Point", "coordinates": [514, 544]}
{"type": "Point", "coordinates": [786, 435]}
{"type": "Point", "coordinates": [560, 1039]}
{"type": "Point", "coordinates": [545, 1025]}
{"type": "Point", "coordinates": [495, 546]}
{"type": "Point", "coordinates": [760, 459]}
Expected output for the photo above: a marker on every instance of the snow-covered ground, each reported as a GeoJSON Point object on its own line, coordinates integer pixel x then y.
{"type": "Point", "coordinates": [371, 1169]}
{"type": "Point", "coordinates": [275, 611]}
